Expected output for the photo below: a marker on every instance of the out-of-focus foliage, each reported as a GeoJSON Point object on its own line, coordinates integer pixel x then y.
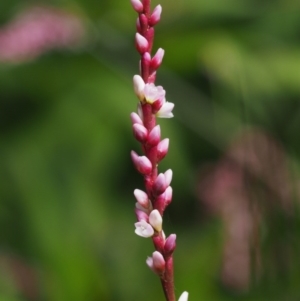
{"type": "Point", "coordinates": [232, 67]}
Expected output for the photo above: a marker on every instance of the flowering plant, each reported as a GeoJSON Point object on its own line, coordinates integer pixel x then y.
{"type": "Point", "coordinates": [152, 202]}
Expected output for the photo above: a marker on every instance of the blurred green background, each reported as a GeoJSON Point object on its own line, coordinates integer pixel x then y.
{"type": "Point", "coordinates": [232, 68]}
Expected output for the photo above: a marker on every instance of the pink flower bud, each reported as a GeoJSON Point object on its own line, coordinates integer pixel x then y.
{"type": "Point", "coordinates": [157, 59]}
{"type": "Point", "coordinates": [168, 195]}
{"type": "Point", "coordinates": [141, 215]}
{"type": "Point", "coordinates": [141, 197]}
{"type": "Point", "coordinates": [155, 17]}
{"type": "Point", "coordinates": [170, 245]}
{"type": "Point", "coordinates": [155, 220]}
{"type": "Point", "coordinates": [159, 185]}
{"type": "Point", "coordinates": [142, 163]}
{"type": "Point", "coordinates": [140, 132]}
{"type": "Point", "coordinates": [137, 5]}
{"type": "Point", "coordinates": [162, 149]}
{"type": "Point", "coordinates": [154, 136]}
{"type": "Point", "coordinates": [143, 22]}
{"type": "Point", "coordinates": [135, 119]}
{"type": "Point", "coordinates": [146, 58]}
{"type": "Point", "coordinates": [168, 176]}
{"type": "Point", "coordinates": [158, 262]}
{"type": "Point", "coordinates": [141, 43]}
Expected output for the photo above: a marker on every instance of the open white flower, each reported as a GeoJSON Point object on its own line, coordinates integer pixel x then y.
{"type": "Point", "coordinates": [143, 229]}
{"type": "Point", "coordinates": [166, 110]}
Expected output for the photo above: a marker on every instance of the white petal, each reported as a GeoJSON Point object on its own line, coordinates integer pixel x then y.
{"type": "Point", "coordinates": [138, 85]}
{"type": "Point", "coordinates": [143, 229]}
{"type": "Point", "coordinates": [155, 220]}
{"type": "Point", "coordinates": [184, 296]}
{"type": "Point", "coordinates": [166, 110]}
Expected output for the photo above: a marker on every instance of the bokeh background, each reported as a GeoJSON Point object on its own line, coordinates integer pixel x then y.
{"type": "Point", "coordinates": [232, 68]}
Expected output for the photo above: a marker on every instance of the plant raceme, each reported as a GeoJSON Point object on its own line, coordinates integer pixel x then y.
{"type": "Point", "coordinates": [152, 202]}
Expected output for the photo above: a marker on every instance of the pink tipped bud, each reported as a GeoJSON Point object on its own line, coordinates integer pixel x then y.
{"type": "Point", "coordinates": [168, 176]}
{"type": "Point", "coordinates": [155, 17]}
{"type": "Point", "coordinates": [154, 136]}
{"type": "Point", "coordinates": [140, 132]}
{"type": "Point", "coordinates": [135, 119]}
{"type": "Point", "coordinates": [155, 220]}
{"type": "Point", "coordinates": [168, 195]}
{"type": "Point", "coordinates": [141, 43]}
{"type": "Point", "coordinates": [158, 262]}
{"type": "Point", "coordinates": [141, 215]}
{"type": "Point", "coordinates": [138, 86]}
{"type": "Point", "coordinates": [146, 58]}
{"type": "Point", "coordinates": [137, 5]}
{"type": "Point", "coordinates": [142, 163]}
{"type": "Point", "coordinates": [157, 59]}
{"type": "Point", "coordinates": [162, 149]}
{"type": "Point", "coordinates": [159, 185]}
{"type": "Point", "coordinates": [141, 197]}
{"type": "Point", "coordinates": [143, 22]}
{"type": "Point", "coordinates": [170, 245]}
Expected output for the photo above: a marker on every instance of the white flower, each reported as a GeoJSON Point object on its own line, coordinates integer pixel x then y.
{"type": "Point", "coordinates": [143, 229]}
{"type": "Point", "coordinates": [153, 93]}
{"type": "Point", "coordinates": [166, 110]}
{"type": "Point", "coordinates": [184, 296]}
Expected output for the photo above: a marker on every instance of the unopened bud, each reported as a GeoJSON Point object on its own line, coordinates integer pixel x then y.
{"type": "Point", "coordinates": [135, 119]}
{"type": "Point", "coordinates": [155, 17]}
{"type": "Point", "coordinates": [168, 176]}
{"type": "Point", "coordinates": [141, 43]}
{"type": "Point", "coordinates": [140, 132]}
{"type": "Point", "coordinates": [168, 195]}
{"type": "Point", "coordinates": [137, 5]}
{"type": "Point", "coordinates": [142, 163]}
{"type": "Point", "coordinates": [141, 215]}
{"type": "Point", "coordinates": [162, 149]}
{"type": "Point", "coordinates": [159, 185]}
{"type": "Point", "coordinates": [157, 59]}
{"type": "Point", "coordinates": [154, 136]}
{"type": "Point", "coordinates": [141, 197]}
{"type": "Point", "coordinates": [158, 262]}
{"type": "Point", "coordinates": [143, 22]}
{"type": "Point", "coordinates": [155, 220]}
{"type": "Point", "coordinates": [170, 245]}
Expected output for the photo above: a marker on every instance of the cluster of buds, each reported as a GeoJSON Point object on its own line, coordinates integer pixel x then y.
{"type": "Point", "coordinates": [152, 202]}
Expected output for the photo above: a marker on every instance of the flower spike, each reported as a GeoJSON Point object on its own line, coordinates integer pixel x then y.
{"type": "Point", "coordinates": [152, 202]}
